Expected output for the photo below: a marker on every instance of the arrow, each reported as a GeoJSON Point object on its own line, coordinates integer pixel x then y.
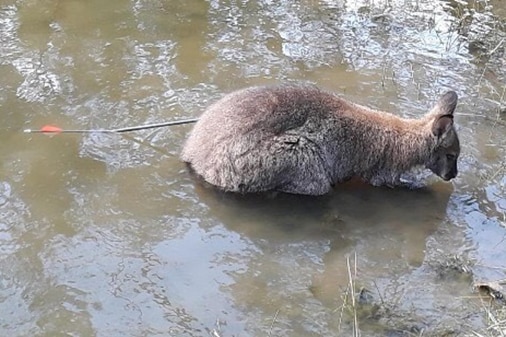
{"type": "Point", "coordinates": [52, 129]}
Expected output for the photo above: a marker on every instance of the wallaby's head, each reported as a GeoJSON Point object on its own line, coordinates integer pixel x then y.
{"type": "Point", "coordinates": [443, 159]}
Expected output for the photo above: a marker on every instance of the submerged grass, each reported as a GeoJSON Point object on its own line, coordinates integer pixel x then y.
{"type": "Point", "coordinates": [496, 322]}
{"type": "Point", "coordinates": [349, 298]}
{"type": "Point", "coordinates": [351, 278]}
{"type": "Point", "coordinates": [359, 310]}
{"type": "Point", "coordinates": [359, 305]}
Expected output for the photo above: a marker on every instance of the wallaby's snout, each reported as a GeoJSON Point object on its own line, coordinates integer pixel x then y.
{"type": "Point", "coordinates": [452, 173]}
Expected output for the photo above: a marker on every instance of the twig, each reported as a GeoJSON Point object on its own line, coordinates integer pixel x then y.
{"type": "Point", "coordinates": [496, 47]}
{"type": "Point", "coordinates": [273, 321]}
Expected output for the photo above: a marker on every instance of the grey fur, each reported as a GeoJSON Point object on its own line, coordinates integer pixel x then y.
{"type": "Point", "coordinates": [301, 139]}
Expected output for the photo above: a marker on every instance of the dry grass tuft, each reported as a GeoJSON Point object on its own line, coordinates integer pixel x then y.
{"type": "Point", "coordinates": [496, 322]}
{"type": "Point", "coordinates": [349, 298]}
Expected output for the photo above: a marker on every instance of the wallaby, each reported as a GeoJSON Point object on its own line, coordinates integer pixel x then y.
{"type": "Point", "coordinates": [297, 138]}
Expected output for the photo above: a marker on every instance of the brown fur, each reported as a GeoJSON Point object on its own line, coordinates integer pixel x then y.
{"type": "Point", "coordinates": [300, 139]}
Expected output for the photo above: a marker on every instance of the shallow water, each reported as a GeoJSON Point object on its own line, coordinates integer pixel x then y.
{"type": "Point", "coordinates": [108, 235]}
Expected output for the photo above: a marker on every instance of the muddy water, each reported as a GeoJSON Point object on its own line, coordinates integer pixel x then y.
{"type": "Point", "coordinates": [104, 235]}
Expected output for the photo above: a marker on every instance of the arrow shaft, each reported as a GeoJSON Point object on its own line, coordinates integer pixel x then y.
{"type": "Point", "coordinates": [156, 125]}
{"type": "Point", "coordinates": [119, 130]}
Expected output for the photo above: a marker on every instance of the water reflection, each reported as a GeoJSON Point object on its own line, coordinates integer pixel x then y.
{"type": "Point", "coordinates": [288, 217]}
{"type": "Point", "coordinates": [302, 243]}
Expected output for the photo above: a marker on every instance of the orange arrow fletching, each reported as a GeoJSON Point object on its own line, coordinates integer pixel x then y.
{"type": "Point", "coordinates": [50, 129]}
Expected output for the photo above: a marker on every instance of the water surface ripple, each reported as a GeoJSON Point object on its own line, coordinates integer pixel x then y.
{"type": "Point", "coordinates": [106, 235]}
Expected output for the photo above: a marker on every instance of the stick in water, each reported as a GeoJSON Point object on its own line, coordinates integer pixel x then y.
{"type": "Point", "coordinates": [56, 129]}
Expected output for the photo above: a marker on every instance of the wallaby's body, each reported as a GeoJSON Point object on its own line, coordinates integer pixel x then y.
{"type": "Point", "coordinates": [300, 139]}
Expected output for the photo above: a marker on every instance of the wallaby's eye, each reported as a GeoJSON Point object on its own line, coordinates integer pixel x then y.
{"type": "Point", "coordinates": [450, 156]}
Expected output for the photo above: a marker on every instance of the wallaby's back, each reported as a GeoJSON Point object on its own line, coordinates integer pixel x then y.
{"type": "Point", "coordinates": [293, 138]}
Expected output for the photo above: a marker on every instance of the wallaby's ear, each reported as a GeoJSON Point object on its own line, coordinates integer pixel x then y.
{"type": "Point", "coordinates": [446, 104]}
{"type": "Point", "coordinates": [442, 125]}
